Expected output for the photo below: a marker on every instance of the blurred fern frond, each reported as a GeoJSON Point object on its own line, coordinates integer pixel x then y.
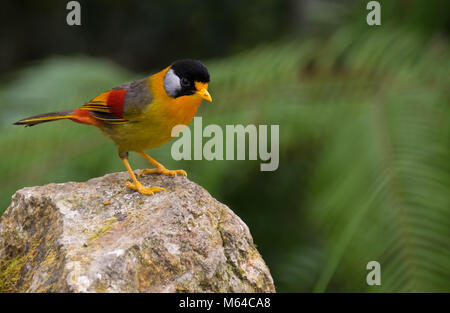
{"type": "Point", "coordinates": [375, 103]}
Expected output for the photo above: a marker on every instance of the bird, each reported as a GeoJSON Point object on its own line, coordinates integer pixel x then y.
{"type": "Point", "coordinates": [140, 115]}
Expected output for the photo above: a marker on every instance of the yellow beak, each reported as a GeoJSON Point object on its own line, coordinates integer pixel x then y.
{"type": "Point", "coordinates": [202, 91]}
{"type": "Point", "coordinates": [204, 94]}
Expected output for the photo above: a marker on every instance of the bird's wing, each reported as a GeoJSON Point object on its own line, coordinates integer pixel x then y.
{"type": "Point", "coordinates": [108, 106]}
{"type": "Point", "coordinates": [124, 103]}
{"type": "Point", "coordinates": [138, 98]}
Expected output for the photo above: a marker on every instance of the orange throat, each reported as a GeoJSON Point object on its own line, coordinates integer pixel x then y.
{"type": "Point", "coordinates": [172, 111]}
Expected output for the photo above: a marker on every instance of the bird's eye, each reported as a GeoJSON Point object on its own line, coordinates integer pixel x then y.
{"type": "Point", "coordinates": [185, 82]}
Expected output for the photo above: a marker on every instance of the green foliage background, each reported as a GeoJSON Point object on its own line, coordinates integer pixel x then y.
{"type": "Point", "coordinates": [364, 146]}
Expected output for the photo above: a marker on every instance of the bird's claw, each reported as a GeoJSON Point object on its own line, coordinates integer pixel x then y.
{"type": "Point", "coordinates": [163, 171]}
{"type": "Point", "coordinates": [143, 190]}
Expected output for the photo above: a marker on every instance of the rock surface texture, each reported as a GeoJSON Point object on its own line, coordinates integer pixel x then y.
{"type": "Point", "coordinates": [99, 236]}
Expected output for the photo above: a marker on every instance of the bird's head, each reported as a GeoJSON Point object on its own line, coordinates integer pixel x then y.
{"type": "Point", "coordinates": [187, 78]}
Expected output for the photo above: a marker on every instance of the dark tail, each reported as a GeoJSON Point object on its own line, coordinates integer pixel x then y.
{"type": "Point", "coordinates": [43, 118]}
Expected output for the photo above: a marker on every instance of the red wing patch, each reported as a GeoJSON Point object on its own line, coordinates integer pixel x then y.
{"type": "Point", "coordinates": [108, 106]}
{"type": "Point", "coordinates": [115, 101]}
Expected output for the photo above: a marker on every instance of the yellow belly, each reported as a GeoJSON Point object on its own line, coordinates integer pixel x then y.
{"type": "Point", "coordinates": [154, 127]}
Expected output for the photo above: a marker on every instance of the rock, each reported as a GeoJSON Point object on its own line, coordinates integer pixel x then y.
{"type": "Point", "coordinates": [98, 236]}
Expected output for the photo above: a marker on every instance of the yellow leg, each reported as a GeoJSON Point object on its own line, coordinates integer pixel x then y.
{"type": "Point", "coordinates": [160, 169]}
{"type": "Point", "coordinates": [137, 185]}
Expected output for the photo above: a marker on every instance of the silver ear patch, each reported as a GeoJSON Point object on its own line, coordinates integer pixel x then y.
{"type": "Point", "coordinates": [172, 83]}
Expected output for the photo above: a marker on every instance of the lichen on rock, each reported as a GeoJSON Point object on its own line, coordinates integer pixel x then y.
{"type": "Point", "coordinates": [98, 236]}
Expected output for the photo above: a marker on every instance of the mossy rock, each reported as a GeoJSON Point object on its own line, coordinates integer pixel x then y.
{"type": "Point", "coordinates": [98, 236]}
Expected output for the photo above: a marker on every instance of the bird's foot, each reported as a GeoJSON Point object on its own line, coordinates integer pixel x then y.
{"type": "Point", "coordinates": [162, 170]}
{"type": "Point", "coordinates": [143, 190]}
